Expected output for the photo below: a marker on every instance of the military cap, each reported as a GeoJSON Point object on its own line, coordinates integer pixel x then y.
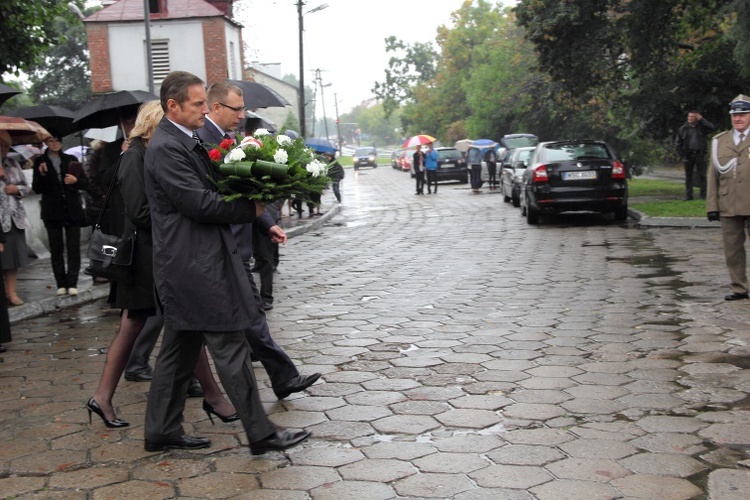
{"type": "Point", "coordinates": [740, 104]}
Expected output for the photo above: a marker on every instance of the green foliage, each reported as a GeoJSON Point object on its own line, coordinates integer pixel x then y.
{"type": "Point", "coordinates": [373, 122]}
{"type": "Point", "coordinates": [291, 122]}
{"type": "Point", "coordinates": [655, 187]}
{"type": "Point", "coordinates": [29, 28]}
{"type": "Point", "coordinates": [672, 208]}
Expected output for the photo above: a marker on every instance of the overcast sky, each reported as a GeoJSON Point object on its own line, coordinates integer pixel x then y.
{"type": "Point", "coordinates": [345, 40]}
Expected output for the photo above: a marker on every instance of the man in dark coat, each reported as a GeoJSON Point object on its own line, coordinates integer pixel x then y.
{"type": "Point", "coordinates": [58, 177]}
{"type": "Point", "coordinates": [200, 283]}
{"type": "Point", "coordinates": [691, 145]}
{"type": "Point", "coordinates": [226, 108]}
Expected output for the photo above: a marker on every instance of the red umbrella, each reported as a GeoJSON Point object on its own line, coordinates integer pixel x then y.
{"type": "Point", "coordinates": [418, 140]}
{"type": "Point", "coordinates": [15, 130]}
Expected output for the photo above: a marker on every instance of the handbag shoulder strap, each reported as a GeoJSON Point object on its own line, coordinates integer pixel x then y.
{"type": "Point", "coordinates": [111, 188]}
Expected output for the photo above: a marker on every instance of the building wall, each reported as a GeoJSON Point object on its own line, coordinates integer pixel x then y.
{"type": "Point", "coordinates": [288, 92]}
{"type": "Point", "coordinates": [98, 40]}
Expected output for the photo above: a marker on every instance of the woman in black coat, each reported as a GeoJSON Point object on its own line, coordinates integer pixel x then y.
{"type": "Point", "coordinates": [136, 298]}
{"type": "Point", "coordinates": [4, 321]}
{"type": "Point", "coordinates": [58, 177]}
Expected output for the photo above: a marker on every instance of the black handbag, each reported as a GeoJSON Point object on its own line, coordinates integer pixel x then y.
{"type": "Point", "coordinates": [110, 257]}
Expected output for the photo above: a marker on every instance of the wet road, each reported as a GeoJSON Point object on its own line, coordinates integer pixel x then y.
{"type": "Point", "coordinates": [465, 355]}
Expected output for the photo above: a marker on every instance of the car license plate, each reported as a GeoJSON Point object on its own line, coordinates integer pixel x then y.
{"type": "Point", "coordinates": [579, 175]}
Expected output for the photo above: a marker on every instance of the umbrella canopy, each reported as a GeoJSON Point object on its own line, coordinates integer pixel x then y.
{"type": "Point", "coordinates": [320, 145]}
{"type": "Point", "coordinates": [78, 151]}
{"type": "Point", "coordinates": [109, 134]}
{"type": "Point", "coordinates": [463, 145]}
{"type": "Point", "coordinates": [257, 121]}
{"type": "Point", "coordinates": [15, 130]}
{"type": "Point", "coordinates": [49, 117]}
{"type": "Point", "coordinates": [108, 110]}
{"type": "Point", "coordinates": [483, 143]}
{"type": "Point", "coordinates": [417, 140]}
{"type": "Point", "coordinates": [27, 151]}
{"type": "Point", "coordinates": [7, 92]}
{"type": "Point", "coordinates": [256, 95]}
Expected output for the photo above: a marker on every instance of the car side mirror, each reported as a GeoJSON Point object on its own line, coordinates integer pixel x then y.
{"type": "Point", "coordinates": [520, 164]}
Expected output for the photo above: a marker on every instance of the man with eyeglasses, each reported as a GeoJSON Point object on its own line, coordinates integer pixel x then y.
{"type": "Point", "coordinates": [226, 109]}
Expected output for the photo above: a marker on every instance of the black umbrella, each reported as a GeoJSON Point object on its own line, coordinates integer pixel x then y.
{"type": "Point", "coordinates": [7, 92]}
{"type": "Point", "coordinates": [49, 117]}
{"type": "Point", "coordinates": [256, 95]}
{"type": "Point", "coordinates": [108, 110]}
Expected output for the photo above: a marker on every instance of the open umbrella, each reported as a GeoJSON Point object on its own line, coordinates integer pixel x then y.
{"type": "Point", "coordinates": [320, 145]}
{"type": "Point", "coordinates": [483, 143]}
{"type": "Point", "coordinates": [463, 145]}
{"type": "Point", "coordinates": [48, 116]}
{"type": "Point", "coordinates": [417, 140]}
{"type": "Point", "coordinates": [109, 134]}
{"type": "Point", "coordinates": [15, 130]}
{"type": "Point", "coordinates": [258, 121]}
{"type": "Point", "coordinates": [108, 110]}
{"type": "Point", "coordinates": [7, 92]}
{"type": "Point", "coordinates": [256, 95]}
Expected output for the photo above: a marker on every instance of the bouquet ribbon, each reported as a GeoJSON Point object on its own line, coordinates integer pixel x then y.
{"type": "Point", "coordinates": [258, 168]}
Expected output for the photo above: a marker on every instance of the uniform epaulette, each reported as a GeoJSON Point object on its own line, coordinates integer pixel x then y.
{"type": "Point", "coordinates": [720, 134]}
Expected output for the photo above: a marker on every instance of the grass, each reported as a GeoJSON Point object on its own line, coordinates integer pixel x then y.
{"type": "Point", "coordinates": [666, 199]}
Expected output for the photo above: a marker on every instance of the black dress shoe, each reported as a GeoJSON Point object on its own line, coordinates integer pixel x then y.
{"type": "Point", "coordinates": [183, 442]}
{"type": "Point", "coordinates": [138, 377]}
{"type": "Point", "coordinates": [194, 389]}
{"type": "Point", "coordinates": [2, 348]}
{"type": "Point", "coordinates": [297, 384]}
{"type": "Point", "coordinates": [267, 306]}
{"type": "Point", "coordinates": [279, 440]}
{"type": "Point", "coordinates": [736, 296]}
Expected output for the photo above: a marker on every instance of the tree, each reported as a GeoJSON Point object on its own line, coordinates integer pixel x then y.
{"type": "Point", "coordinates": [28, 30]}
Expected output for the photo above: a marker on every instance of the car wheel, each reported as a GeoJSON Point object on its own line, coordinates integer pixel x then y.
{"type": "Point", "coordinates": [621, 214]}
{"type": "Point", "coordinates": [516, 201]}
{"type": "Point", "coordinates": [532, 215]}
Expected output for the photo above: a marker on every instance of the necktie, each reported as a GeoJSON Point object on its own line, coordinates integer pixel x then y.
{"type": "Point", "coordinates": [742, 136]}
{"type": "Point", "coordinates": [197, 139]}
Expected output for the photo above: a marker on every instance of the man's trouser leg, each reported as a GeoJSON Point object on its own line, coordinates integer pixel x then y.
{"type": "Point", "coordinates": [733, 235]}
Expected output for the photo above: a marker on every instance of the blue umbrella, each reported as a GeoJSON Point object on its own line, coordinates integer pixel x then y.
{"type": "Point", "coordinates": [320, 145]}
{"type": "Point", "coordinates": [483, 143]}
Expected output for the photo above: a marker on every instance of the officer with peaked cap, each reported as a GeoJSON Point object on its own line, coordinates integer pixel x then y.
{"type": "Point", "coordinates": [728, 197]}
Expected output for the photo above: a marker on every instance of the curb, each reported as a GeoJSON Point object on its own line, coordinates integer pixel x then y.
{"type": "Point", "coordinates": [49, 305]}
{"type": "Point", "coordinates": [645, 221]}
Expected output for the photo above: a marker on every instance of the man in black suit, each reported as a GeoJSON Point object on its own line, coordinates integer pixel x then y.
{"type": "Point", "coordinates": [226, 109]}
{"type": "Point", "coordinates": [199, 278]}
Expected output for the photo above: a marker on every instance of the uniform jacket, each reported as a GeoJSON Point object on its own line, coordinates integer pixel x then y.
{"type": "Point", "coordinates": [11, 206]}
{"type": "Point", "coordinates": [136, 217]}
{"type": "Point", "coordinates": [729, 176]}
{"type": "Point", "coordinates": [61, 203]}
{"type": "Point", "coordinates": [200, 280]}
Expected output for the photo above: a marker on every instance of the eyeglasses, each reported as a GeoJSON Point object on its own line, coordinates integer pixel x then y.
{"type": "Point", "coordinates": [236, 110]}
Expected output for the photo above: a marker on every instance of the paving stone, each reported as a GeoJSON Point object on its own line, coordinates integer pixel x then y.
{"type": "Point", "coordinates": [303, 477]}
{"type": "Point", "coordinates": [451, 463]}
{"type": "Point", "coordinates": [593, 406]}
{"type": "Point", "coordinates": [726, 484]}
{"type": "Point", "coordinates": [376, 398]}
{"type": "Point", "coordinates": [664, 423]}
{"type": "Point", "coordinates": [349, 377]}
{"type": "Point", "coordinates": [511, 476]}
{"type": "Point", "coordinates": [522, 454]}
{"type": "Point", "coordinates": [493, 494]}
{"type": "Point", "coordinates": [341, 431]}
{"type": "Point", "coordinates": [568, 489]}
{"type": "Point", "coordinates": [170, 469]}
{"type": "Point", "coordinates": [46, 462]}
{"type": "Point", "coordinates": [420, 407]}
{"type": "Point", "coordinates": [650, 401]}
{"type": "Point", "coordinates": [314, 403]}
{"type": "Point", "coordinates": [334, 389]}
{"type": "Point", "coordinates": [16, 486]}
{"type": "Point", "coordinates": [221, 485]}
{"type": "Point", "coordinates": [401, 450]}
{"type": "Point", "coordinates": [406, 424]}
{"type": "Point", "coordinates": [432, 485]}
{"type": "Point", "coordinates": [389, 384]}
{"type": "Point", "coordinates": [670, 442]}
{"type": "Point", "coordinates": [90, 478]}
{"type": "Point", "coordinates": [554, 371]}
{"type": "Point", "coordinates": [380, 470]}
{"type": "Point", "coordinates": [667, 464]}
{"type": "Point", "coordinates": [727, 434]}
{"type": "Point", "coordinates": [597, 392]}
{"type": "Point", "coordinates": [587, 469]}
{"type": "Point", "coordinates": [598, 449]}
{"type": "Point", "coordinates": [434, 393]}
{"type": "Point", "coordinates": [532, 411]}
{"type": "Point", "coordinates": [325, 456]}
{"type": "Point", "coordinates": [297, 419]}
{"type": "Point", "coordinates": [357, 413]}
{"type": "Point", "coordinates": [468, 443]}
{"type": "Point", "coordinates": [649, 486]}
{"type": "Point", "coordinates": [361, 490]}
{"type": "Point", "coordinates": [546, 383]}
{"type": "Point", "coordinates": [473, 419]}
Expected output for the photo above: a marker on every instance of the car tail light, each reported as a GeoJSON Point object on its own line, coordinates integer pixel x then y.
{"type": "Point", "coordinates": [540, 174]}
{"type": "Point", "coordinates": [618, 170]}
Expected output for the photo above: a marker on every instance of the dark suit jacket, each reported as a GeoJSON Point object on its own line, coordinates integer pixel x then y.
{"type": "Point", "coordinates": [200, 279]}
{"type": "Point", "coordinates": [61, 203]}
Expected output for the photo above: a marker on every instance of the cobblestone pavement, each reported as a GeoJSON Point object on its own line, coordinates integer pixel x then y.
{"type": "Point", "coordinates": [465, 355]}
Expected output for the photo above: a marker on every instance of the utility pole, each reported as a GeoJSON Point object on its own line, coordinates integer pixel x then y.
{"type": "Point", "coordinates": [338, 125]}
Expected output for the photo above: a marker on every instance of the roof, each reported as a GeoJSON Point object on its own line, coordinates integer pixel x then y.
{"type": "Point", "coordinates": [132, 10]}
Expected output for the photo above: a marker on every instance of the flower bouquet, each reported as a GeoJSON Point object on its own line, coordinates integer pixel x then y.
{"type": "Point", "coordinates": [265, 168]}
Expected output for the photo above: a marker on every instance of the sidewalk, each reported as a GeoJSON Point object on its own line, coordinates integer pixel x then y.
{"type": "Point", "coordinates": [36, 284]}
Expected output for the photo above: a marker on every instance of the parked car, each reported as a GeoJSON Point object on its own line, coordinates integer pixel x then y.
{"type": "Point", "coordinates": [451, 165]}
{"type": "Point", "coordinates": [405, 160]}
{"type": "Point", "coordinates": [511, 175]}
{"type": "Point", "coordinates": [365, 157]}
{"type": "Point", "coordinates": [394, 158]}
{"type": "Point", "coordinates": [565, 176]}
{"type": "Point", "coordinates": [509, 142]}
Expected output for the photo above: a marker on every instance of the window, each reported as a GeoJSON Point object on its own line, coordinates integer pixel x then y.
{"type": "Point", "coordinates": [232, 66]}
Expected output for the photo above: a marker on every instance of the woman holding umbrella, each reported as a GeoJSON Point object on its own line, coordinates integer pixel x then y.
{"type": "Point", "coordinates": [13, 187]}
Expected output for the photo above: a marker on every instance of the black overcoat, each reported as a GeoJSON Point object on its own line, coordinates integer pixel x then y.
{"type": "Point", "coordinates": [61, 203]}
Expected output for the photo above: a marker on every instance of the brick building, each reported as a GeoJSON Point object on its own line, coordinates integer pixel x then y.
{"type": "Point", "coordinates": [198, 36]}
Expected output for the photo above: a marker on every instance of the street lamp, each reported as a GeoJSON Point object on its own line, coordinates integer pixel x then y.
{"type": "Point", "coordinates": [301, 90]}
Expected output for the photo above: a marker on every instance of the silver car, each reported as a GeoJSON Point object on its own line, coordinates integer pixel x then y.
{"type": "Point", "coordinates": [511, 175]}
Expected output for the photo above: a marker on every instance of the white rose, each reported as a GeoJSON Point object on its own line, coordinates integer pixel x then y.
{"type": "Point", "coordinates": [234, 155]}
{"type": "Point", "coordinates": [281, 156]}
{"type": "Point", "coordinates": [283, 140]}
{"type": "Point", "coordinates": [315, 168]}
{"type": "Point", "coordinates": [261, 132]}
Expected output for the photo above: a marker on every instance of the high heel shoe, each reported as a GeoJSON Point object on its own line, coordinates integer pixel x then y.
{"type": "Point", "coordinates": [93, 407]}
{"type": "Point", "coordinates": [210, 411]}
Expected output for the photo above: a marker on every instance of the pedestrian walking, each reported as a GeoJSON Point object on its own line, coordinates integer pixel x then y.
{"type": "Point", "coordinates": [431, 167]}
{"type": "Point", "coordinates": [336, 173]}
{"type": "Point", "coordinates": [491, 161]}
{"type": "Point", "coordinates": [728, 199]}
{"type": "Point", "coordinates": [691, 145]}
{"type": "Point", "coordinates": [58, 177]}
{"type": "Point", "coordinates": [13, 187]}
{"type": "Point", "coordinates": [417, 164]}
{"type": "Point", "coordinates": [200, 281]}
{"type": "Point", "coordinates": [474, 159]}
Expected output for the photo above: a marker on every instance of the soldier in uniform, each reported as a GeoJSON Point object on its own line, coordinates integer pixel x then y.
{"type": "Point", "coordinates": [728, 197]}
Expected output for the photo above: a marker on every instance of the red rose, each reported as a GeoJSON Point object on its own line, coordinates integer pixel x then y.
{"type": "Point", "coordinates": [215, 154]}
{"type": "Point", "coordinates": [226, 144]}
